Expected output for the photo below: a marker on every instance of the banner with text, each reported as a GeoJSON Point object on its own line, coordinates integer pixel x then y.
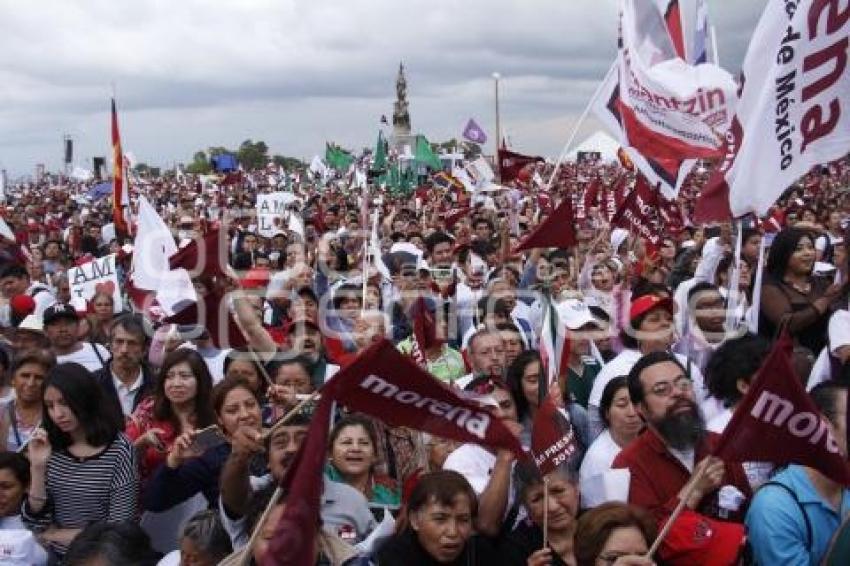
{"type": "Point", "coordinates": [670, 110]}
{"type": "Point", "coordinates": [271, 209]}
{"type": "Point", "coordinates": [385, 384]}
{"type": "Point", "coordinates": [793, 108]}
{"type": "Point", "coordinates": [96, 276]}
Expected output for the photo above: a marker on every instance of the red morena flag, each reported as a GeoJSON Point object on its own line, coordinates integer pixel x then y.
{"type": "Point", "coordinates": [205, 257]}
{"type": "Point", "coordinates": [293, 543]}
{"type": "Point", "coordinates": [553, 440]}
{"type": "Point", "coordinates": [777, 422]}
{"type": "Point", "coordinates": [556, 231]}
{"type": "Point", "coordinates": [639, 214]}
{"type": "Point", "coordinates": [385, 384]}
{"type": "Point", "coordinates": [511, 163]}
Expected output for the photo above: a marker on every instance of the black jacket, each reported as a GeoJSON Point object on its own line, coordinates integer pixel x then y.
{"type": "Point", "coordinates": [104, 378]}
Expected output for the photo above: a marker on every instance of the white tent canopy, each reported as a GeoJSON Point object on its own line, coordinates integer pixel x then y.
{"type": "Point", "coordinates": [598, 141]}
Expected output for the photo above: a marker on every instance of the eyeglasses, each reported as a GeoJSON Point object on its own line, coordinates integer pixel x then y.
{"type": "Point", "coordinates": [665, 388]}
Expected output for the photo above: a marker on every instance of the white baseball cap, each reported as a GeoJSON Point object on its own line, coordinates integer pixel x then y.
{"type": "Point", "coordinates": [575, 314]}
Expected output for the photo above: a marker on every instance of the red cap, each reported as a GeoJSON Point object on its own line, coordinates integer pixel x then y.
{"type": "Point", "coordinates": [22, 305]}
{"type": "Point", "coordinates": [256, 278]}
{"type": "Point", "coordinates": [646, 303]}
{"type": "Point", "coordinates": [696, 539]}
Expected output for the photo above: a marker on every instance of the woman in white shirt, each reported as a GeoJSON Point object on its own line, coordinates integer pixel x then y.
{"type": "Point", "coordinates": [622, 425]}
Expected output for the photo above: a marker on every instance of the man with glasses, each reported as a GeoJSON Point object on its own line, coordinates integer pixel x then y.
{"type": "Point", "coordinates": [674, 450]}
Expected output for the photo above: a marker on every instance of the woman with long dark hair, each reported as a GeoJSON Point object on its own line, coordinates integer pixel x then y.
{"type": "Point", "coordinates": [523, 376]}
{"type": "Point", "coordinates": [81, 464]}
{"type": "Point", "coordinates": [792, 295]}
{"type": "Point", "coordinates": [180, 403]}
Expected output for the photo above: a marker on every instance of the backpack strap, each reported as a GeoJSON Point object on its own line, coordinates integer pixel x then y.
{"type": "Point", "coordinates": [796, 499]}
{"type": "Point", "coordinates": [97, 353]}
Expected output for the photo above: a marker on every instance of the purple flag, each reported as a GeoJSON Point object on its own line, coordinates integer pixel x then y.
{"type": "Point", "coordinates": [474, 133]}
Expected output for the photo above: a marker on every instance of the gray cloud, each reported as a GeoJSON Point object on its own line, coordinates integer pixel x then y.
{"type": "Point", "coordinates": [295, 73]}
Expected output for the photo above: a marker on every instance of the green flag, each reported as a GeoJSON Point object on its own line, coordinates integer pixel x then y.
{"type": "Point", "coordinates": [379, 159]}
{"type": "Point", "coordinates": [425, 155]}
{"type": "Point", "coordinates": [337, 158]}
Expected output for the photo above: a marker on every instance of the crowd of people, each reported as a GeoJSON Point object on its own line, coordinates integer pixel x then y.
{"type": "Point", "coordinates": [131, 438]}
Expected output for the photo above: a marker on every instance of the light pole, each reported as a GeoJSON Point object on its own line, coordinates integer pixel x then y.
{"type": "Point", "coordinates": [496, 77]}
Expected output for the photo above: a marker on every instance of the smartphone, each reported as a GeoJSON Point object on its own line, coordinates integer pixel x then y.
{"type": "Point", "coordinates": [207, 438]}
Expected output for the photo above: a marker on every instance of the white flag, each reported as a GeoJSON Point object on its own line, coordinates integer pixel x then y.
{"type": "Point", "coordinates": [318, 167]}
{"type": "Point", "coordinates": [670, 110]}
{"type": "Point", "coordinates": [6, 232]}
{"type": "Point", "coordinates": [794, 110]}
{"type": "Point", "coordinates": [151, 271]}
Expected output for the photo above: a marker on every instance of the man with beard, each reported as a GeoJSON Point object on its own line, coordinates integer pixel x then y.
{"type": "Point", "coordinates": [343, 509]}
{"type": "Point", "coordinates": [676, 447]}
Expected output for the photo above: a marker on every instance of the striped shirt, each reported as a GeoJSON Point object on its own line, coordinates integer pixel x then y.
{"type": "Point", "coordinates": [80, 491]}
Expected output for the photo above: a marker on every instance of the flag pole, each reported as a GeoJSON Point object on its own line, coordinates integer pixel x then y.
{"type": "Point", "coordinates": [734, 284]}
{"type": "Point", "coordinates": [545, 512]}
{"type": "Point", "coordinates": [689, 490]}
{"type": "Point", "coordinates": [576, 127]}
{"type": "Point", "coordinates": [288, 416]}
{"type": "Point", "coordinates": [755, 308]}
{"type": "Point", "coordinates": [242, 557]}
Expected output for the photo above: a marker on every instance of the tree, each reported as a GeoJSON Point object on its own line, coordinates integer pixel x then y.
{"type": "Point", "coordinates": [253, 155]}
{"type": "Point", "coordinates": [142, 168]}
{"type": "Point", "coordinates": [288, 163]}
{"type": "Point", "coordinates": [200, 165]}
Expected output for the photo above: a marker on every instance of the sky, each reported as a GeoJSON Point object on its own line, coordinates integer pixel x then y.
{"type": "Point", "coordinates": [189, 74]}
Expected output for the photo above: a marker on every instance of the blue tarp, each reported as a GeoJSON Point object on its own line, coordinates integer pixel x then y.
{"type": "Point", "coordinates": [100, 190]}
{"type": "Point", "coordinates": [224, 163]}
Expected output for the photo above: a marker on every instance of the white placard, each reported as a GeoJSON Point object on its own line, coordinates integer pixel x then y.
{"type": "Point", "coordinates": [97, 275]}
{"type": "Point", "coordinates": [270, 212]}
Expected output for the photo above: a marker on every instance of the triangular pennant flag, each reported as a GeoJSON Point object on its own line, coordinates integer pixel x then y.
{"type": "Point", "coordinates": [474, 133]}
{"type": "Point", "coordinates": [553, 440]}
{"type": "Point", "coordinates": [202, 258]}
{"type": "Point", "coordinates": [425, 155]}
{"type": "Point", "coordinates": [777, 422]}
{"type": "Point", "coordinates": [511, 163]}
{"type": "Point", "coordinates": [384, 383]}
{"type": "Point", "coordinates": [293, 543]}
{"type": "Point", "coordinates": [556, 231]}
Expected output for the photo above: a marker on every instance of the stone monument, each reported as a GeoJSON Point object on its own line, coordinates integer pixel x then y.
{"type": "Point", "coordinates": [401, 140]}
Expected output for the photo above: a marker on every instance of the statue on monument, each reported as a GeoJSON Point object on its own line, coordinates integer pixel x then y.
{"type": "Point", "coordinates": [401, 117]}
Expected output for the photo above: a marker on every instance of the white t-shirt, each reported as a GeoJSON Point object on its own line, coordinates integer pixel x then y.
{"type": "Point", "coordinates": [597, 461]}
{"type": "Point", "coordinates": [720, 421]}
{"type": "Point", "coordinates": [87, 357]}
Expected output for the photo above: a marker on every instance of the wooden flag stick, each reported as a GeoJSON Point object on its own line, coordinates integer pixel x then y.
{"type": "Point", "coordinates": [545, 511]}
{"type": "Point", "coordinates": [242, 557]}
{"type": "Point", "coordinates": [676, 512]}
{"type": "Point", "coordinates": [261, 366]}
{"type": "Point", "coordinates": [288, 416]}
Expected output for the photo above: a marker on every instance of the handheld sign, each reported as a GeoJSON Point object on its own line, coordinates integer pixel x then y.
{"type": "Point", "coordinates": [97, 276]}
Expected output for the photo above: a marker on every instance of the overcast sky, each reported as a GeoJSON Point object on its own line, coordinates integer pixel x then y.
{"type": "Point", "coordinates": [194, 73]}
